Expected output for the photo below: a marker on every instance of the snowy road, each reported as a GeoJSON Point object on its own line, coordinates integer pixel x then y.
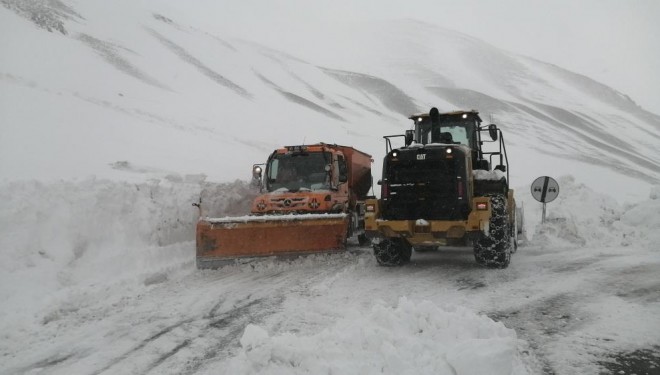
{"type": "Point", "coordinates": [569, 307]}
{"type": "Point", "coordinates": [172, 327]}
{"type": "Point", "coordinates": [98, 288]}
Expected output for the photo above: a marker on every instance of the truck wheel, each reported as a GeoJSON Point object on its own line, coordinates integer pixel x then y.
{"type": "Point", "coordinates": [494, 250]}
{"type": "Point", "coordinates": [392, 252]}
{"type": "Point", "coordinates": [363, 239]}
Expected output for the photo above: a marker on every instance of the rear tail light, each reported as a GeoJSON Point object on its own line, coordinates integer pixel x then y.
{"type": "Point", "coordinates": [482, 206]}
{"type": "Point", "coordinates": [385, 190]}
{"type": "Point", "coordinates": [460, 189]}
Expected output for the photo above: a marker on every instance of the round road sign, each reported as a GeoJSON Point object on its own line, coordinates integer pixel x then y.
{"type": "Point", "coordinates": [545, 189]}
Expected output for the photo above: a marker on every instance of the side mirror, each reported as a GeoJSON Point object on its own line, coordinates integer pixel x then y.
{"type": "Point", "coordinates": [409, 137]}
{"type": "Point", "coordinates": [256, 172]}
{"type": "Point", "coordinates": [492, 131]}
{"type": "Point", "coordinates": [256, 182]}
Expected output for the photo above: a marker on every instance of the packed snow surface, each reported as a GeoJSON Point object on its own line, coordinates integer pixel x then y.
{"type": "Point", "coordinates": [409, 338]}
{"type": "Point", "coordinates": [99, 277]}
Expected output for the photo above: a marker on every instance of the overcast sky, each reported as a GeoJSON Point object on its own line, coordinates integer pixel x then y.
{"type": "Point", "coordinates": [616, 42]}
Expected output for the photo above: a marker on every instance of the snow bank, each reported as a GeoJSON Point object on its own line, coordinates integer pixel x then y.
{"type": "Point", "coordinates": [494, 175]}
{"type": "Point", "coordinates": [58, 240]}
{"type": "Point", "coordinates": [580, 216]}
{"type": "Point", "coordinates": [411, 338]}
{"type": "Point", "coordinates": [642, 222]}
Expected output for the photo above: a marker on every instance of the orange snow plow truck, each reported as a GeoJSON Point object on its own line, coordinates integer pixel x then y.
{"type": "Point", "coordinates": [312, 200]}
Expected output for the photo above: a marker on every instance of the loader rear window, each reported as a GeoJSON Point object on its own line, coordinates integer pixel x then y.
{"type": "Point", "coordinates": [461, 131]}
{"type": "Point", "coordinates": [298, 171]}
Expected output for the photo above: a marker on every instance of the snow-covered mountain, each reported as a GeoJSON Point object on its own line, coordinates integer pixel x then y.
{"type": "Point", "coordinates": [123, 88]}
{"type": "Point", "coordinates": [116, 116]}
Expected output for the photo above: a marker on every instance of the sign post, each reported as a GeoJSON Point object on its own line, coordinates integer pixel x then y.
{"type": "Point", "coordinates": [545, 189]}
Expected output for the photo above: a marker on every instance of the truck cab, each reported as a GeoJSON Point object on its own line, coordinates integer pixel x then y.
{"type": "Point", "coordinates": [317, 178]}
{"type": "Point", "coordinates": [298, 168]}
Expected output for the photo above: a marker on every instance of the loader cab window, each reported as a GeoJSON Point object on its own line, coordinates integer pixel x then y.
{"type": "Point", "coordinates": [298, 171]}
{"type": "Point", "coordinates": [453, 130]}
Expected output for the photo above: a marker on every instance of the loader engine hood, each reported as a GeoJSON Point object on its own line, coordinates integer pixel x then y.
{"type": "Point", "coordinates": [300, 202]}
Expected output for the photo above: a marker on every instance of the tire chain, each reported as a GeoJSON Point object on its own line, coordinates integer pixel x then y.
{"type": "Point", "coordinates": [494, 250]}
{"type": "Point", "coordinates": [389, 254]}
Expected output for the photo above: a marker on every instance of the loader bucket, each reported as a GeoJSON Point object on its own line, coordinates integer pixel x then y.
{"type": "Point", "coordinates": [220, 241]}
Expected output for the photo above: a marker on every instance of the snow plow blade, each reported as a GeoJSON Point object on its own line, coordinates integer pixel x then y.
{"type": "Point", "coordinates": [220, 241]}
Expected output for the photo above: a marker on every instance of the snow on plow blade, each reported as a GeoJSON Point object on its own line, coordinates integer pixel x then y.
{"type": "Point", "coordinates": [222, 240]}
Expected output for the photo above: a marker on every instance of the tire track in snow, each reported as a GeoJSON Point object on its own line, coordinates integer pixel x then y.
{"type": "Point", "coordinates": [227, 327]}
{"type": "Point", "coordinates": [182, 326]}
{"type": "Point", "coordinates": [212, 335]}
{"type": "Point", "coordinates": [46, 363]}
{"type": "Point", "coordinates": [223, 328]}
{"type": "Point", "coordinates": [169, 354]}
{"type": "Point", "coordinates": [541, 321]}
{"type": "Point", "coordinates": [138, 348]}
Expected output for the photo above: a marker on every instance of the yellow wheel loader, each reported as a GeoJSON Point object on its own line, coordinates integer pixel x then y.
{"type": "Point", "coordinates": [445, 187]}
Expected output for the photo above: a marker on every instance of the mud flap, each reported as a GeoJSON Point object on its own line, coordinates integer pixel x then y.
{"type": "Point", "coordinates": [222, 240]}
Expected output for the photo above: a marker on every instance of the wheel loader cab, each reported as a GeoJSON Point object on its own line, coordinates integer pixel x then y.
{"type": "Point", "coordinates": [448, 128]}
{"type": "Point", "coordinates": [461, 127]}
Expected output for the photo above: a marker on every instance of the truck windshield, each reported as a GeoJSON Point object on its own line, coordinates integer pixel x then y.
{"type": "Point", "coordinates": [298, 171]}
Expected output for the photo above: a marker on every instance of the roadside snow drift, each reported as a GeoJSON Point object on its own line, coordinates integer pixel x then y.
{"type": "Point", "coordinates": [410, 338]}
{"type": "Point", "coordinates": [581, 216]}
{"type": "Point", "coordinates": [65, 237]}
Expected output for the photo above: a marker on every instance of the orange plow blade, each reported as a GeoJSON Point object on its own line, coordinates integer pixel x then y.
{"type": "Point", "coordinates": [225, 239]}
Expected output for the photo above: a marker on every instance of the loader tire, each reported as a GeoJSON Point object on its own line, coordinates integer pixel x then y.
{"type": "Point", "coordinates": [392, 252]}
{"type": "Point", "coordinates": [494, 250]}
